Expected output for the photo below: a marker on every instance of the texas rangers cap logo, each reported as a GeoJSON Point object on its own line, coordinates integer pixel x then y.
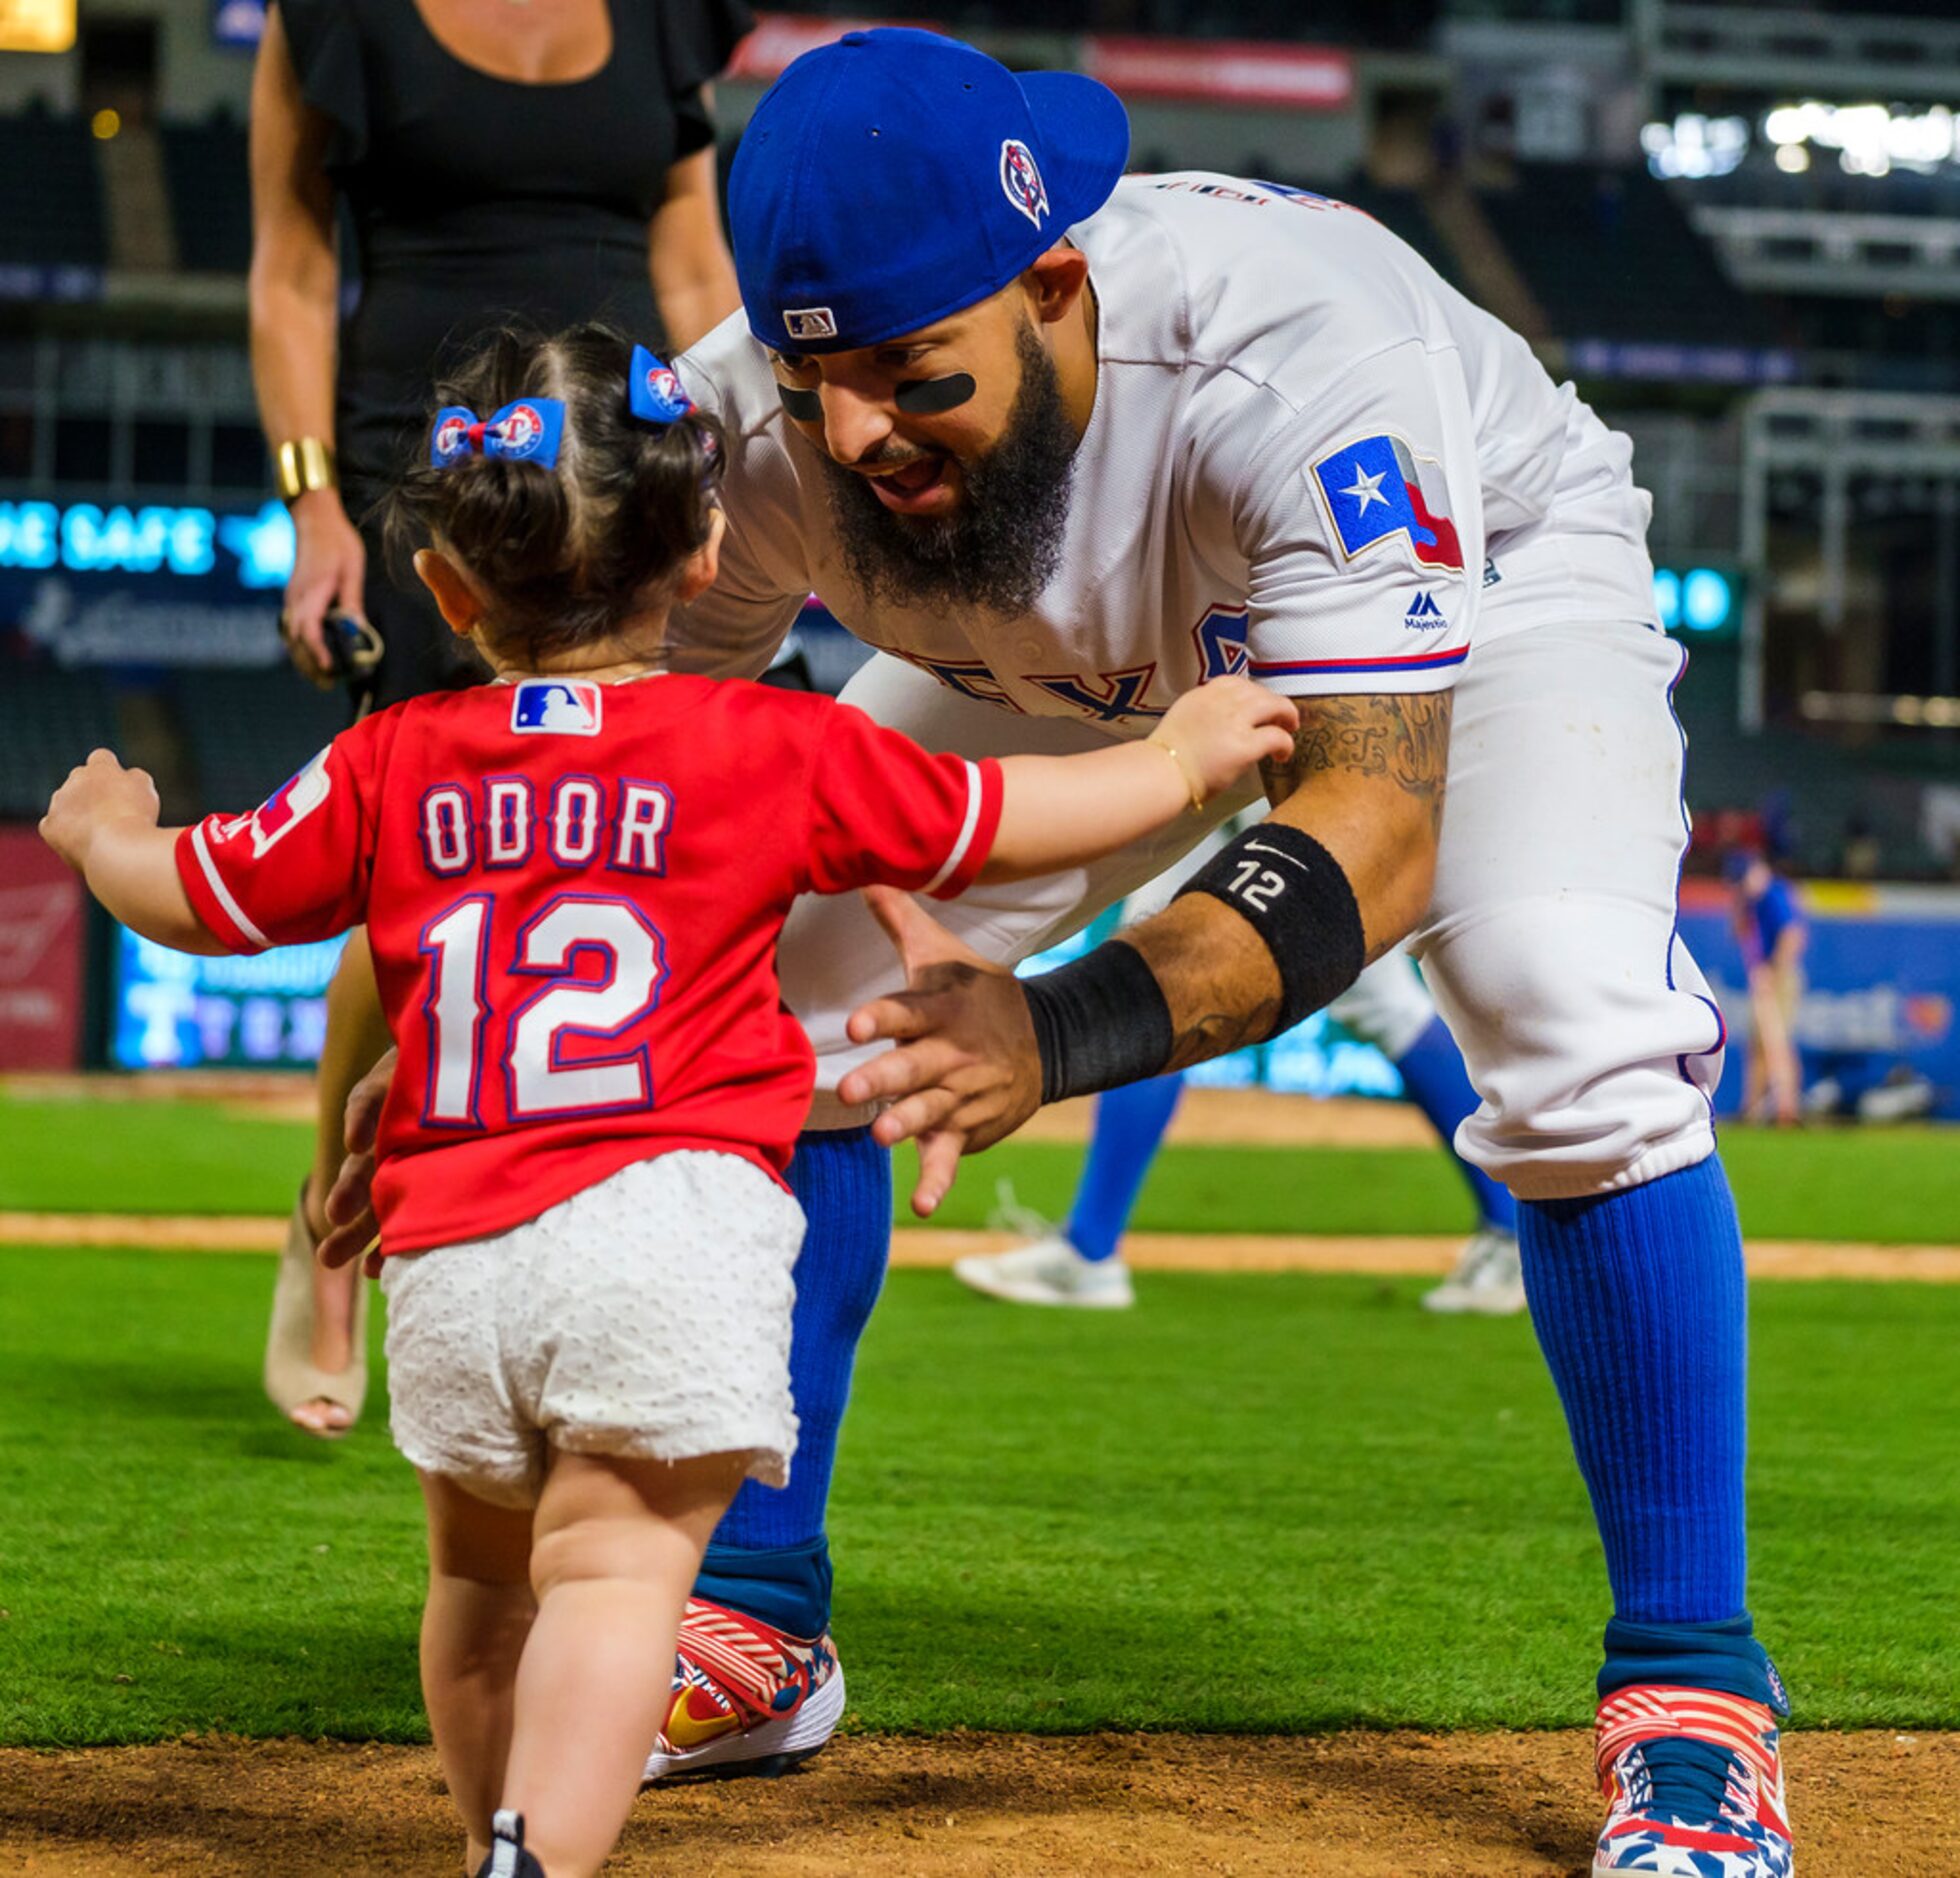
{"type": "Point", "coordinates": [560, 706]}
{"type": "Point", "coordinates": [810, 322]}
{"type": "Point", "coordinates": [1020, 178]}
{"type": "Point", "coordinates": [1378, 488]}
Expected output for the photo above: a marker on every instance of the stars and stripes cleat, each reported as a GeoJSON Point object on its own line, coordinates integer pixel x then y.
{"type": "Point", "coordinates": [1694, 1786]}
{"type": "Point", "coordinates": [748, 1698]}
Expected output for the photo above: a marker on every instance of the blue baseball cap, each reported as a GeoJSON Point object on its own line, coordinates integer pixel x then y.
{"type": "Point", "coordinates": [897, 176]}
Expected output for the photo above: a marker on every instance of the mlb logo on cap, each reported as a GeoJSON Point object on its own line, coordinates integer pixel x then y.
{"type": "Point", "coordinates": [811, 322]}
{"type": "Point", "coordinates": [555, 706]}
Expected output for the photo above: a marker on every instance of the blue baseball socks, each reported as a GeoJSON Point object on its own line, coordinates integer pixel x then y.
{"type": "Point", "coordinates": [769, 1557]}
{"type": "Point", "coordinates": [1640, 1306]}
{"type": "Point", "coordinates": [1129, 1128]}
{"type": "Point", "coordinates": [1435, 1080]}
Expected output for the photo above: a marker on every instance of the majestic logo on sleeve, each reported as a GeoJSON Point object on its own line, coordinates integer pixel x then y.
{"type": "Point", "coordinates": [1379, 488]}
{"type": "Point", "coordinates": [1021, 180]}
{"type": "Point", "coordinates": [561, 705]}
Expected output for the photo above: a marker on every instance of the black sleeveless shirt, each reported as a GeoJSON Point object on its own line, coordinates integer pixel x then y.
{"type": "Point", "coordinates": [474, 198]}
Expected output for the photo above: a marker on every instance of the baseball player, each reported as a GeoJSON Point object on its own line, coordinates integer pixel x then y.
{"type": "Point", "coordinates": [1062, 445]}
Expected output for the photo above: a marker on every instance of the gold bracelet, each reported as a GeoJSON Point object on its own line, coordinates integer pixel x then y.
{"type": "Point", "coordinates": [304, 463]}
{"type": "Point", "coordinates": [1192, 780]}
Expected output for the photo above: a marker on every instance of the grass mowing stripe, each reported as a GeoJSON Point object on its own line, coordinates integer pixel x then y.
{"type": "Point", "coordinates": [1254, 1503]}
{"type": "Point", "coordinates": [1895, 1187]}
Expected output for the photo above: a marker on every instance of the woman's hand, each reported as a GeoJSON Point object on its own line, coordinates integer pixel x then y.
{"type": "Point", "coordinates": [97, 792]}
{"type": "Point", "coordinates": [329, 573]}
{"type": "Point", "coordinates": [1220, 729]}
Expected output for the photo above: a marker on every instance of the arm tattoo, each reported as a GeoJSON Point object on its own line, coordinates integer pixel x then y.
{"type": "Point", "coordinates": [1404, 737]}
{"type": "Point", "coordinates": [1218, 1033]}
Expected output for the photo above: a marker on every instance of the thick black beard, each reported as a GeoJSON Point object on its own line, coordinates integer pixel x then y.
{"type": "Point", "coordinates": [1001, 547]}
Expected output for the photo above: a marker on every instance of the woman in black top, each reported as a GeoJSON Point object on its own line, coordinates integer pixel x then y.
{"type": "Point", "coordinates": [551, 160]}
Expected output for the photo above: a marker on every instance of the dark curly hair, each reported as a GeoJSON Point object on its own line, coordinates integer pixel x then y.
{"type": "Point", "coordinates": [564, 555]}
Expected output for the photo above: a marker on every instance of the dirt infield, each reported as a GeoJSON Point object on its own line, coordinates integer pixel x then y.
{"type": "Point", "coordinates": [1357, 1805]}
{"type": "Point", "coordinates": [1379, 1255]}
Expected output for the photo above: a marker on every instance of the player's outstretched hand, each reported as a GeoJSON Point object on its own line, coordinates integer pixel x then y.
{"type": "Point", "coordinates": [1221, 729]}
{"type": "Point", "coordinates": [96, 792]}
{"type": "Point", "coordinates": [965, 1072]}
{"type": "Point", "coordinates": [352, 1226]}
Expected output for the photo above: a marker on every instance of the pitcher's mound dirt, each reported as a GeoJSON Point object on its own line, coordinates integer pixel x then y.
{"type": "Point", "coordinates": [1876, 1805]}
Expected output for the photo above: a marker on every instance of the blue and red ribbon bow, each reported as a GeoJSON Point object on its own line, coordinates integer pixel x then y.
{"type": "Point", "coordinates": [527, 430]}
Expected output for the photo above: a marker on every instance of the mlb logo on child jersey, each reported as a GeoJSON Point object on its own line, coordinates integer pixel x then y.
{"type": "Point", "coordinates": [1379, 488]}
{"type": "Point", "coordinates": [555, 706]}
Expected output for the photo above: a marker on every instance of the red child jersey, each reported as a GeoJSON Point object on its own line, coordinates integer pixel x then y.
{"type": "Point", "coordinates": [573, 894]}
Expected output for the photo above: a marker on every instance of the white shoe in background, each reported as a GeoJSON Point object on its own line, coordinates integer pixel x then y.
{"type": "Point", "coordinates": [1488, 1280]}
{"type": "Point", "coordinates": [1050, 1271]}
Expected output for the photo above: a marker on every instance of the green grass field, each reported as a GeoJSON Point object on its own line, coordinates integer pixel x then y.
{"type": "Point", "coordinates": [1255, 1503]}
{"type": "Point", "coordinates": [1891, 1187]}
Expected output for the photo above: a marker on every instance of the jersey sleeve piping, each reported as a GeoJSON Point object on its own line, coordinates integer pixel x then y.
{"type": "Point", "coordinates": [1409, 665]}
{"type": "Point", "coordinates": [984, 787]}
{"type": "Point", "coordinates": [213, 901]}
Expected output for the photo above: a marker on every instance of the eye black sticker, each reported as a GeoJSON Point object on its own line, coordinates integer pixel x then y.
{"type": "Point", "coordinates": [929, 397]}
{"type": "Point", "coordinates": [921, 397]}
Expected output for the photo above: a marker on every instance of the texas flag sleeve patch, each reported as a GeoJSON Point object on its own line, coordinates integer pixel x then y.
{"type": "Point", "coordinates": [1378, 488]}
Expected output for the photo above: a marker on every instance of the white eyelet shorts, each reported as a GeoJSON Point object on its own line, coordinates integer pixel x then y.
{"type": "Point", "coordinates": [647, 1316]}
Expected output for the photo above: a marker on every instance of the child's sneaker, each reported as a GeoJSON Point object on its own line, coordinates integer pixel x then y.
{"type": "Point", "coordinates": [1694, 1783]}
{"type": "Point", "coordinates": [508, 1858]}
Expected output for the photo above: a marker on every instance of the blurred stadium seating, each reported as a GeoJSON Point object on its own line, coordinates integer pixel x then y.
{"type": "Point", "coordinates": [51, 207]}
{"type": "Point", "coordinates": [210, 200]}
{"type": "Point", "coordinates": [49, 722]}
{"type": "Point", "coordinates": [1673, 269]}
{"type": "Point", "coordinates": [245, 732]}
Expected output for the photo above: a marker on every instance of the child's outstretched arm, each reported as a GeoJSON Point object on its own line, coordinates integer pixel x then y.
{"type": "Point", "coordinates": [103, 823]}
{"type": "Point", "coordinates": [1062, 811]}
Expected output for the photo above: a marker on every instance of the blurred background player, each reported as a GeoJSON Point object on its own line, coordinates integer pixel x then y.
{"type": "Point", "coordinates": [581, 1183]}
{"type": "Point", "coordinates": [1080, 1263]}
{"type": "Point", "coordinates": [1772, 931]}
{"type": "Point", "coordinates": [552, 163]}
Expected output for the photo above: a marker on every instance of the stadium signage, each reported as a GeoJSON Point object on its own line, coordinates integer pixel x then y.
{"type": "Point", "coordinates": [95, 584]}
{"type": "Point", "coordinates": [88, 539]}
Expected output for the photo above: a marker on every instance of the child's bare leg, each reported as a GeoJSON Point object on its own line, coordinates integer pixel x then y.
{"type": "Point", "coordinates": [474, 1625]}
{"type": "Point", "coordinates": [357, 1033]}
{"type": "Point", "coordinates": [615, 1550]}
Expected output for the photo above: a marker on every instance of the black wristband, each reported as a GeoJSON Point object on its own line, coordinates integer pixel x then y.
{"type": "Point", "coordinates": [1099, 1021]}
{"type": "Point", "coordinates": [1296, 898]}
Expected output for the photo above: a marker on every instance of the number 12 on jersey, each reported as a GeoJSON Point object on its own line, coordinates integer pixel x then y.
{"type": "Point", "coordinates": [553, 945]}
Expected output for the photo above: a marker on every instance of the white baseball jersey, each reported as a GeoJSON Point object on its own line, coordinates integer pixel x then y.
{"type": "Point", "coordinates": [1309, 458]}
